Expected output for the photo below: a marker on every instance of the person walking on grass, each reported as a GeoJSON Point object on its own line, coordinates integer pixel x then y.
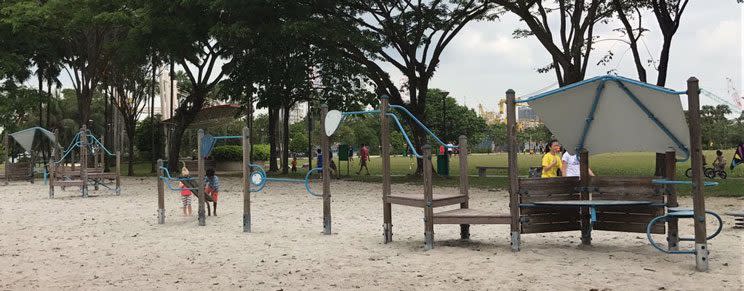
{"type": "Point", "coordinates": [551, 161]}
{"type": "Point", "coordinates": [363, 158]}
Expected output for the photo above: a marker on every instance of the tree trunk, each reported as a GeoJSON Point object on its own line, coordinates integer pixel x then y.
{"type": "Point", "coordinates": [84, 101]}
{"type": "Point", "coordinates": [175, 146]}
{"type": "Point", "coordinates": [40, 75]}
{"type": "Point", "coordinates": [285, 141]}
{"type": "Point", "coordinates": [131, 124]}
{"type": "Point", "coordinates": [273, 116]}
{"type": "Point", "coordinates": [664, 62]}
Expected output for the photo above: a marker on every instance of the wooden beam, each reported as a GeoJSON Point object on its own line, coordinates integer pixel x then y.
{"type": "Point", "coordinates": [161, 194]}
{"type": "Point", "coordinates": [670, 169]}
{"type": "Point", "coordinates": [586, 227]}
{"type": "Point", "coordinates": [84, 160]}
{"type": "Point", "coordinates": [201, 173]}
{"type": "Point", "coordinates": [511, 132]}
{"type": "Point", "coordinates": [698, 200]}
{"type": "Point", "coordinates": [326, 150]}
{"type": "Point", "coordinates": [428, 197]}
{"type": "Point", "coordinates": [464, 183]}
{"type": "Point", "coordinates": [246, 143]}
{"type": "Point", "coordinates": [387, 216]}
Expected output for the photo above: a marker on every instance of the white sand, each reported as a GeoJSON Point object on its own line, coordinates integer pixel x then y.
{"type": "Point", "coordinates": [114, 242]}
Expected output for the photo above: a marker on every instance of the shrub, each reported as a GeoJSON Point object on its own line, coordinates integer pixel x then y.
{"type": "Point", "coordinates": [235, 153]}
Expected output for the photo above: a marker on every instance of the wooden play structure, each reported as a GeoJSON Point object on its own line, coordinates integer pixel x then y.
{"type": "Point", "coordinates": [624, 204]}
{"type": "Point", "coordinates": [253, 176]}
{"type": "Point", "coordinates": [19, 171]}
{"type": "Point", "coordinates": [88, 148]}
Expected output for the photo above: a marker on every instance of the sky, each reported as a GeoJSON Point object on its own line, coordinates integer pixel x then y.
{"type": "Point", "coordinates": [483, 60]}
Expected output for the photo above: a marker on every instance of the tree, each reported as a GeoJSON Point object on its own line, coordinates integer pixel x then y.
{"type": "Point", "coordinates": [453, 120]}
{"type": "Point", "coordinates": [410, 36]}
{"type": "Point", "coordinates": [668, 15]}
{"type": "Point", "coordinates": [183, 33]}
{"type": "Point", "coordinates": [88, 31]}
{"type": "Point", "coordinates": [144, 135]}
{"type": "Point", "coordinates": [715, 126]}
{"type": "Point", "coordinates": [570, 56]}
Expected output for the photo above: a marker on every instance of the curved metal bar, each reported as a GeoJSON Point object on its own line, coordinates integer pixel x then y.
{"type": "Point", "coordinates": [401, 108]}
{"type": "Point", "coordinates": [405, 135]}
{"type": "Point", "coordinates": [664, 217]}
{"type": "Point", "coordinates": [307, 182]}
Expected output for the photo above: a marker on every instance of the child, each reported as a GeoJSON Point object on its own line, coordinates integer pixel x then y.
{"type": "Point", "coordinates": [185, 199]}
{"type": "Point", "coordinates": [294, 164]}
{"type": "Point", "coordinates": [719, 164]}
{"type": "Point", "coordinates": [212, 188]}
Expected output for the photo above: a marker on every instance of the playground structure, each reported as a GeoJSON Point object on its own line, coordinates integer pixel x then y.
{"type": "Point", "coordinates": [624, 204]}
{"type": "Point", "coordinates": [655, 196]}
{"type": "Point", "coordinates": [252, 176]}
{"type": "Point", "coordinates": [87, 145]}
{"type": "Point", "coordinates": [26, 170]}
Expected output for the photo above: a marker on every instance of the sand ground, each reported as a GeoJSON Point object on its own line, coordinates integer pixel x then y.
{"type": "Point", "coordinates": [114, 242]}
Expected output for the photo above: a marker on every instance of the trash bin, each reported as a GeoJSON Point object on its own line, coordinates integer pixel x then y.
{"type": "Point", "coordinates": [443, 165]}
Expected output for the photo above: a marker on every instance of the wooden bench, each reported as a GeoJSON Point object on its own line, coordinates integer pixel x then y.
{"type": "Point", "coordinates": [482, 169]}
{"type": "Point", "coordinates": [471, 216]}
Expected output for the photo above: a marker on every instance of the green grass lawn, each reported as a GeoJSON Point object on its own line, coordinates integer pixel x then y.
{"type": "Point", "coordinates": [615, 164]}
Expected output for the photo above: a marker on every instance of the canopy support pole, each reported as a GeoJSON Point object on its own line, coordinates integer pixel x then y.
{"type": "Point", "coordinates": [590, 117]}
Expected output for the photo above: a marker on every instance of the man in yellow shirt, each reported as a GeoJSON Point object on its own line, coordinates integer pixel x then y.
{"type": "Point", "coordinates": [551, 161]}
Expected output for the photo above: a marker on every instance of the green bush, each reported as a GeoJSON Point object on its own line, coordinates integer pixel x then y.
{"type": "Point", "coordinates": [235, 153]}
{"type": "Point", "coordinates": [228, 153]}
{"type": "Point", "coordinates": [261, 152]}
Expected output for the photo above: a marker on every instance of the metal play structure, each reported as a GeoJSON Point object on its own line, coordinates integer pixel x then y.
{"type": "Point", "coordinates": [254, 179]}
{"type": "Point", "coordinates": [87, 146]}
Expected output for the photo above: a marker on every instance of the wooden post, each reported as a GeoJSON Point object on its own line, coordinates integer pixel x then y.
{"type": "Point", "coordinates": [698, 200]}
{"type": "Point", "coordinates": [387, 215]}
{"type": "Point", "coordinates": [511, 132]}
{"type": "Point", "coordinates": [326, 151]}
{"type": "Point", "coordinates": [464, 183]}
{"type": "Point", "coordinates": [586, 226]}
{"type": "Point", "coordinates": [660, 165]}
{"type": "Point", "coordinates": [84, 160]}
{"type": "Point", "coordinates": [199, 188]}
{"type": "Point", "coordinates": [246, 143]}
{"type": "Point", "coordinates": [161, 193]}
{"type": "Point", "coordinates": [670, 169]}
{"type": "Point", "coordinates": [429, 199]}
{"type": "Point", "coordinates": [118, 172]}
{"type": "Point", "coordinates": [6, 154]}
{"type": "Point", "coordinates": [53, 165]}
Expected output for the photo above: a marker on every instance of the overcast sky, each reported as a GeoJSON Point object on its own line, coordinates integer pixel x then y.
{"type": "Point", "coordinates": [483, 61]}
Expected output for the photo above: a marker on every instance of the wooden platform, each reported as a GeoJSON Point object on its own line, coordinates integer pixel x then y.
{"type": "Point", "coordinates": [417, 200]}
{"type": "Point", "coordinates": [471, 216]}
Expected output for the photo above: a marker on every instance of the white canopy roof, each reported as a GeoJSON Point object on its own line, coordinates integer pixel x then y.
{"type": "Point", "coordinates": [26, 137]}
{"type": "Point", "coordinates": [614, 114]}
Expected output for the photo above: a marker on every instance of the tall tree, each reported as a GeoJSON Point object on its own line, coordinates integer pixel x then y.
{"type": "Point", "coordinates": [89, 30]}
{"type": "Point", "coordinates": [184, 34]}
{"type": "Point", "coordinates": [411, 36]}
{"type": "Point", "coordinates": [575, 32]}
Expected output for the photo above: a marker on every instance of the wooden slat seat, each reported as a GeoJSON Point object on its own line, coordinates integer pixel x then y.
{"type": "Point", "coordinates": [69, 183]}
{"type": "Point", "coordinates": [471, 216]}
{"type": "Point", "coordinates": [417, 200]}
{"type": "Point", "coordinates": [108, 175]}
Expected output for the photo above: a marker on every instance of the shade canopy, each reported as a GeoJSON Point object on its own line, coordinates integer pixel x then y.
{"type": "Point", "coordinates": [211, 116]}
{"type": "Point", "coordinates": [35, 135]}
{"type": "Point", "coordinates": [614, 114]}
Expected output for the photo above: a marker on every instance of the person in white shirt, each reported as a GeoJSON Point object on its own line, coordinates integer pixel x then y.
{"type": "Point", "coordinates": [570, 167]}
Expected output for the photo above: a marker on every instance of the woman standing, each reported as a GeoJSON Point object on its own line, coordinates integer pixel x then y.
{"type": "Point", "coordinates": [551, 161]}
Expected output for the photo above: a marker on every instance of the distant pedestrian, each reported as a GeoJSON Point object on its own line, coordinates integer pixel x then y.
{"type": "Point", "coordinates": [363, 159]}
